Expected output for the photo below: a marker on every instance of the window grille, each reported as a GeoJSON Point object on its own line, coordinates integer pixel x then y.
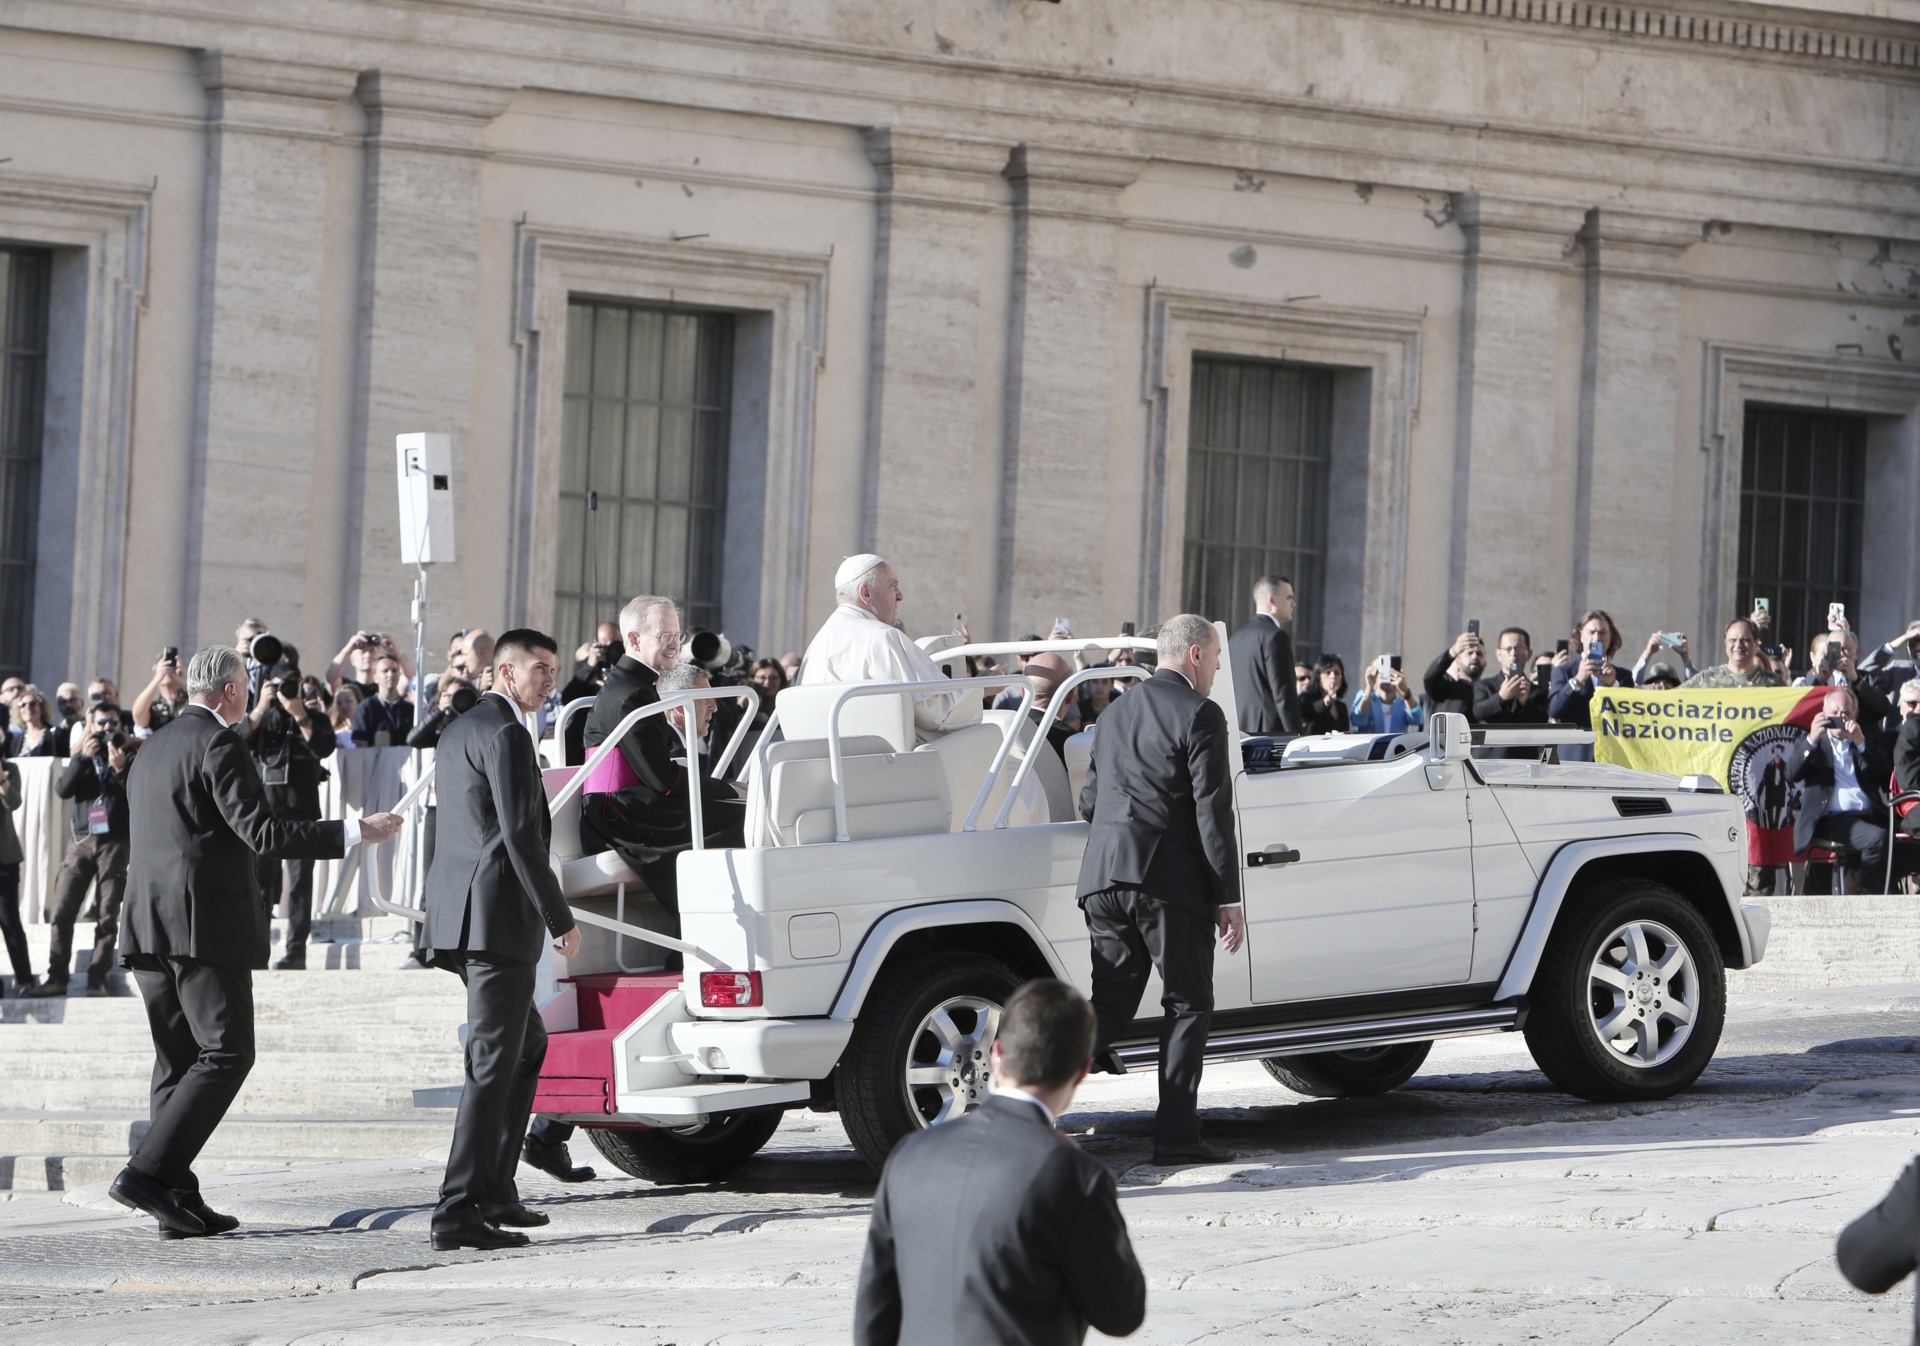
{"type": "Point", "coordinates": [1259, 439]}
{"type": "Point", "coordinates": [24, 277]}
{"type": "Point", "coordinates": [1803, 487]}
{"type": "Point", "coordinates": [643, 462]}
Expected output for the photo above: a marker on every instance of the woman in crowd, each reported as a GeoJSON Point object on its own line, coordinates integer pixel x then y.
{"type": "Point", "coordinates": [346, 700]}
{"type": "Point", "coordinates": [1383, 706]}
{"type": "Point", "coordinates": [1324, 703]}
{"type": "Point", "coordinates": [448, 705]}
{"type": "Point", "coordinates": [32, 733]}
{"type": "Point", "coordinates": [769, 679]}
{"type": "Point", "coordinates": [1588, 668]}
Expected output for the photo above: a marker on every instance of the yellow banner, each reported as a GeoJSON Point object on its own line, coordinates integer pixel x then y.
{"type": "Point", "coordinates": [1740, 736]}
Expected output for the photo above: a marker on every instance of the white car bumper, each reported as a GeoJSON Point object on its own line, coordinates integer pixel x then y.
{"type": "Point", "coordinates": [1759, 921]}
{"type": "Point", "coordinates": [785, 1049]}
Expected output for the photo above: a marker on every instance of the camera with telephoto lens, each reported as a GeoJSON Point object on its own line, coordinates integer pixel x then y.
{"type": "Point", "coordinates": [463, 700]}
{"type": "Point", "coordinates": [726, 663]}
{"type": "Point", "coordinates": [265, 649]}
{"type": "Point", "coordinates": [605, 654]}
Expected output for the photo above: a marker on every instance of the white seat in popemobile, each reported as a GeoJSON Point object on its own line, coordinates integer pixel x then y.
{"type": "Point", "coordinates": [581, 875]}
{"type": "Point", "coordinates": [1078, 751]}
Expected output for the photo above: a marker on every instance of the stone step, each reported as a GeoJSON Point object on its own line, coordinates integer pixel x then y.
{"type": "Point", "coordinates": [282, 1067]}
{"type": "Point", "coordinates": [270, 1037]}
{"type": "Point", "coordinates": [65, 1172]}
{"type": "Point", "coordinates": [1821, 941]}
{"type": "Point", "coordinates": [265, 1094]}
{"type": "Point", "coordinates": [239, 1137]}
{"type": "Point", "coordinates": [345, 954]}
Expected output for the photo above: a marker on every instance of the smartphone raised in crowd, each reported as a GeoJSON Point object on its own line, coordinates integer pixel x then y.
{"type": "Point", "coordinates": [1763, 605]}
{"type": "Point", "coordinates": [1473, 626]}
{"type": "Point", "coordinates": [1836, 613]}
{"type": "Point", "coordinates": [1596, 652]}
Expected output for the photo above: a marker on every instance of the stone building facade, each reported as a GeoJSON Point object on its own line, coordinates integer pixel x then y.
{"type": "Point", "coordinates": [1454, 308]}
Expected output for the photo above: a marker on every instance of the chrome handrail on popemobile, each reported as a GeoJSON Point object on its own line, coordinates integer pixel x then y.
{"type": "Point", "coordinates": [417, 792]}
{"type": "Point", "coordinates": [1059, 702]}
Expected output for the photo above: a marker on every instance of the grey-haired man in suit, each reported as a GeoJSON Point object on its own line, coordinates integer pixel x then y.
{"type": "Point", "coordinates": [196, 928]}
{"type": "Point", "coordinates": [492, 902]}
{"type": "Point", "coordinates": [1161, 870]}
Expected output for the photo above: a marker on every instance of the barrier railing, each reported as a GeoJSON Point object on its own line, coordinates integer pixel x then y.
{"type": "Point", "coordinates": [1057, 703]}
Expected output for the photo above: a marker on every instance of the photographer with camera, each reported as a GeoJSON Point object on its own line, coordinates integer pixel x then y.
{"type": "Point", "coordinates": [356, 659]}
{"type": "Point", "coordinates": [1590, 667]}
{"type": "Point", "coordinates": [1832, 662]}
{"type": "Point", "coordinates": [1514, 695]}
{"type": "Point", "coordinates": [287, 734]}
{"type": "Point", "coordinates": [454, 696]}
{"type": "Point", "coordinates": [164, 696]}
{"type": "Point", "coordinates": [1843, 775]}
{"type": "Point", "coordinates": [95, 781]}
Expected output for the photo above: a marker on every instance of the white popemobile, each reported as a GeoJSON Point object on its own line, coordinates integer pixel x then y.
{"type": "Point", "coordinates": [855, 954]}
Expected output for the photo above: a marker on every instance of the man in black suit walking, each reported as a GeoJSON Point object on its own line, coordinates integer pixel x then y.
{"type": "Point", "coordinates": [196, 928]}
{"type": "Point", "coordinates": [1161, 871]}
{"type": "Point", "coordinates": [492, 901]}
{"type": "Point", "coordinates": [994, 1227]}
{"type": "Point", "coordinates": [1262, 654]}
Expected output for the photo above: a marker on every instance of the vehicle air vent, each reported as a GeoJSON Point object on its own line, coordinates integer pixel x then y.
{"type": "Point", "coordinates": [1641, 806]}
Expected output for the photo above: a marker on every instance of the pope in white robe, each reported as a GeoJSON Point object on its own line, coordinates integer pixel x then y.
{"type": "Point", "coordinates": [859, 643]}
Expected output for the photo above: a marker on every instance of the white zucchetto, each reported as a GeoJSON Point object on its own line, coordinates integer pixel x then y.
{"type": "Point", "coordinates": [854, 567]}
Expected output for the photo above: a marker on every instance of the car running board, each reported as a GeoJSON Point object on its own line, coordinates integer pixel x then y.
{"type": "Point", "coordinates": [1247, 1046]}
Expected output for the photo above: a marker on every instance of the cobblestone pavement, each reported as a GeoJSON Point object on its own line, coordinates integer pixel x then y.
{"type": "Point", "coordinates": [1474, 1205]}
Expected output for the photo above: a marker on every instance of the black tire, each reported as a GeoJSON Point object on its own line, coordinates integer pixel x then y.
{"type": "Point", "coordinates": [702, 1153]}
{"type": "Point", "coordinates": [1349, 1074]}
{"type": "Point", "coordinates": [1572, 1003]}
{"type": "Point", "coordinates": [877, 1106]}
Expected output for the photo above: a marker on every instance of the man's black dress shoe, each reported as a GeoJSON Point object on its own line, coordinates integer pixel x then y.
{"type": "Point", "coordinates": [481, 1236]}
{"type": "Point", "coordinates": [554, 1161]}
{"type": "Point", "coordinates": [514, 1214]}
{"type": "Point", "coordinates": [1195, 1152]}
{"type": "Point", "coordinates": [139, 1192]}
{"type": "Point", "coordinates": [290, 963]}
{"type": "Point", "coordinates": [215, 1222]}
{"type": "Point", "coordinates": [1109, 1063]}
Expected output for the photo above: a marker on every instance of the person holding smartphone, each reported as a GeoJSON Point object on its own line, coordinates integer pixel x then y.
{"type": "Point", "coordinates": [164, 696]}
{"type": "Point", "coordinates": [1843, 776]}
{"type": "Point", "coordinates": [1383, 706]}
{"type": "Point", "coordinates": [1595, 641]}
{"type": "Point", "coordinates": [1452, 676]}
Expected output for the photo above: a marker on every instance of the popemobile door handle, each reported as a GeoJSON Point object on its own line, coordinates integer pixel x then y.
{"type": "Point", "coordinates": [1276, 854]}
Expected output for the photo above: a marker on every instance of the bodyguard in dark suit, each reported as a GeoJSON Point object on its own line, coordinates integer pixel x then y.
{"type": "Point", "coordinates": [1162, 870]}
{"type": "Point", "coordinates": [994, 1228]}
{"type": "Point", "coordinates": [1877, 1251]}
{"type": "Point", "coordinates": [1262, 654]}
{"type": "Point", "coordinates": [196, 928]}
{"type": "Point", "coordinates": [1843, 777]}
{"type": "Point", "coordinates": [492, 903]}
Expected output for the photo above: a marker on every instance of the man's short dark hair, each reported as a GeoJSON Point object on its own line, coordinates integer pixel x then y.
{"type": "Point", "coordinates": [522, 641]}
{"type": "Point", "coordinates": [1046, 1033]}
{"type": "Point", "coordinates": [1753, 632]}
{"type": "Point", "coordinates": [1520, 631]}
{"type": "Point", "coordinates": [107, 708]}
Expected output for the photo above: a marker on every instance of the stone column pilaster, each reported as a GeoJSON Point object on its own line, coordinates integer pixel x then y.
{"type": "Point", "coordinates": [1624, 544]}
{"type": "Point", "coordinates": [269, 127]}
{"type": "Point", "coordinates": [1061, 370]}
{"type": "Point", "coordinates": [1509, 440]}
{"type": "Point", "coordinates": [923, 431]}
{"type": "Point", "coordinates": [419, 295]}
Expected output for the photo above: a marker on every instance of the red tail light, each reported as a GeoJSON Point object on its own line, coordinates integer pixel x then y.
{"type": "Point", "coordinates": [729, 990]}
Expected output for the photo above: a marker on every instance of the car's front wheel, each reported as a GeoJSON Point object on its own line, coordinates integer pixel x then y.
{"type": "Point", "coordinates": [1349, 1074]}
{"type": "Point", "coordinates": [922, 1052]}
{"type": "Point", "coordinates": [1630, 996]}
{"type": "Point", "coordinates": [702, 1153]}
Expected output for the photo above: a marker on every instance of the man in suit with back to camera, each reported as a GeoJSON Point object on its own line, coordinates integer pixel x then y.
{"type": "Point", "coordinates": [492, 900]}
{"type": "Point", "coordinates": [196, 928]}
{"type": "Point", "coordinates": [1161, 871]}
{"type": "Point", "coordinates": [1262, 654]}
{"type": "Point", "coordinates": [995, 1228]}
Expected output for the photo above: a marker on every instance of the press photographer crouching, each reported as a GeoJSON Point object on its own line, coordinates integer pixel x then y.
{"type": "Point", "coordinates": [288, 733]}
{"type": "Point", "coordinates": [95, 781]}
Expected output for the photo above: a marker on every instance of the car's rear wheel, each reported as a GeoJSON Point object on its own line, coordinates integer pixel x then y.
{"type": "Point", "coordinates": [1349, 1074]}
{"type": "Point", "coordinates": [702, 1153]}
{"type": "Point", "coordinates": [921, 1053]}
{"type": "Point", "coordinates": [1630, 996]}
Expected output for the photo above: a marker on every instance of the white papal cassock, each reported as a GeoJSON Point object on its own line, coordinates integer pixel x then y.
{"type": "Point", "coordinates": [856, 646]}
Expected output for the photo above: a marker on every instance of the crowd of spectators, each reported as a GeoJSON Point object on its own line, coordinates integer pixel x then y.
{"type": "Point", "coordinates": [365, 698]}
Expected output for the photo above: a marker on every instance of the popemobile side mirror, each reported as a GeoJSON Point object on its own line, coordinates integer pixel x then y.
{"type": "Point", "coordinates": [1452, 739]}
